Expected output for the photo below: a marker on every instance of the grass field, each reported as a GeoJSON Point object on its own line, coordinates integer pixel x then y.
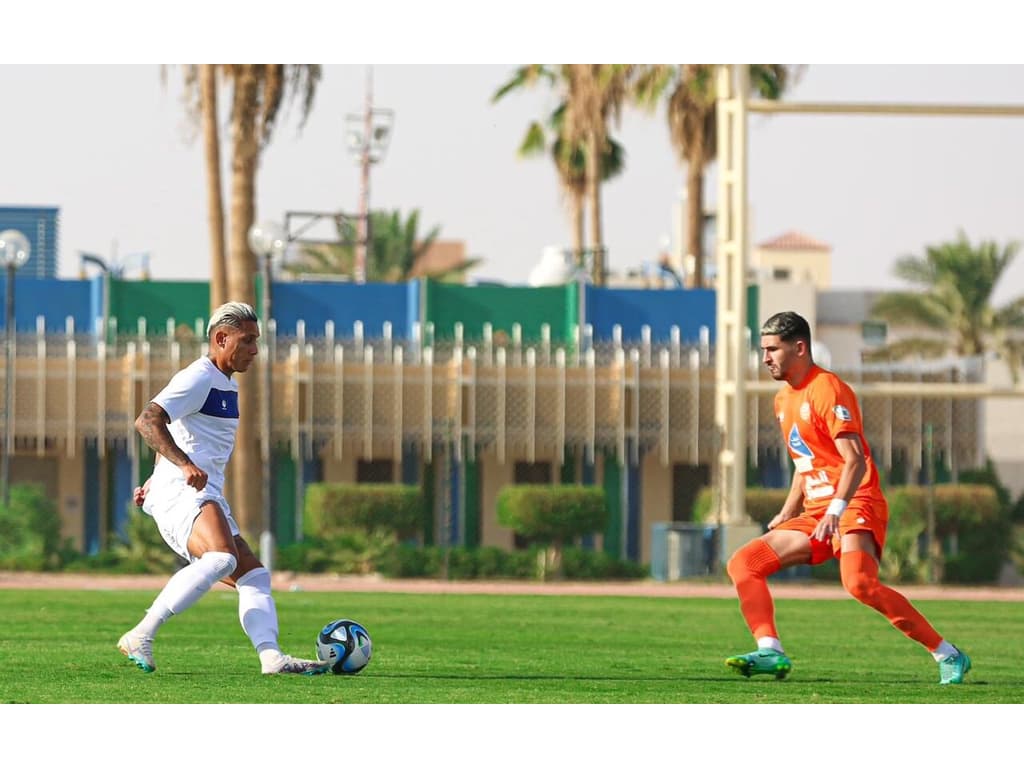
{"type": "Point", "coordinates": [58, 648]}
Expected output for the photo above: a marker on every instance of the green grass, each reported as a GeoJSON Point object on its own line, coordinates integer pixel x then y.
{"type": "Point", "coordinates": [58, 648]}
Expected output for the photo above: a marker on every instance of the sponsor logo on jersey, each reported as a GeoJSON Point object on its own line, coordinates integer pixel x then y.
{"type": "Point", "coordinates": [842, 412]}
{"type": "Point", "coordinates": [805, 411]}
{"type": "Point", "coordinates": [797, 444]}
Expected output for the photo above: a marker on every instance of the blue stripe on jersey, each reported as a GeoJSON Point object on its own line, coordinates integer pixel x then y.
{"type": "Point", "coordinates": [221, 404]}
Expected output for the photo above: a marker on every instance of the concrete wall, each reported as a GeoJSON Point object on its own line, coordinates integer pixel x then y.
{"type": "Point", "coordinates": [1003, 419]}
{"type": "Point", "coordinates": [656, 499]}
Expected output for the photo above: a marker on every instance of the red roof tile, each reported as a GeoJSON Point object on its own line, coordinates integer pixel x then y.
{"type": "Point", "coordinates": [795, 241]}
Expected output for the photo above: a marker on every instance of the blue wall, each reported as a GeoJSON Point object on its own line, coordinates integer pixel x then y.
{"type": "Point", "coordinates": [344, 303]}
{"type": "Point", "coordinates": [50, 297]}
{"type": "Point", "coordinates": [633, 308]}
{"type": "Point", "coordinates": [373, 304]}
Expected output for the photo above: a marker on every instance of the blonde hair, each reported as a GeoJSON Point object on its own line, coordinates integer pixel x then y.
{"type": "Point", "coordinates": [233, 313]}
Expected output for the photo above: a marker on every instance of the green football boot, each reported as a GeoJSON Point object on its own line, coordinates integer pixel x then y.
{"type": "Point", "coordinates": [953, 669]}
{"type": "Point", "coordinates": [763, 661]}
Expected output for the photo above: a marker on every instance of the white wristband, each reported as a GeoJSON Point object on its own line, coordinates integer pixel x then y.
{"type": "Point", "coordinates": [836, 507]}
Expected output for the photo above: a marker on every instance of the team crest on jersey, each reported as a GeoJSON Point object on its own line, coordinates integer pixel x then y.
{"type": "Point", "coordinates": [842, 412]}
{"type": "Point", "coordinates": [805, 411]}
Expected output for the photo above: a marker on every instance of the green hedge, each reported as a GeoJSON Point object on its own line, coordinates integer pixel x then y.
{"type": "Point", "coordinates": [762, 504]}
{"type": "Point", "coordinates": [552, 513]}
{"type": "Point", "coordinates": [30, 531]}
{"type": "Point", "coordinates": [407, 561]}
{"type": "Point", "coordinates": [971, 521]}
{"type": "Point", "coordinates": [336, 508]}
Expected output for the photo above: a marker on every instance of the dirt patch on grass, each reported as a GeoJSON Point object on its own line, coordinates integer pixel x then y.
{"type": "Point", "coordinates": [284, 581]}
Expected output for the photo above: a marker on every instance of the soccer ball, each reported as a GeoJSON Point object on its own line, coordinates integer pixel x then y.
{"type": "Point", "coordinates": [346, 644]}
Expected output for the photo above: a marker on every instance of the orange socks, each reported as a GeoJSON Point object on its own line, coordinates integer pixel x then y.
{"type": "Point", "coordinates": [749, 568]}
{"type": "Point", "coordinates": [859, 571]}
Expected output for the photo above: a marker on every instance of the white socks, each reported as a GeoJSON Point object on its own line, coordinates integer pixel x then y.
{"type": "Point", "coordinates": [258, 614]}
{"type": "Point", "coordinates": [186, 587]}
{"type": "Point", "coordinates": [944, 651]}
{"type": "Point", "coordinates": [770, 643]}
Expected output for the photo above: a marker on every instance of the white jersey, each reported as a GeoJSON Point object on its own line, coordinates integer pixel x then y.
{"type": "Point", "coordinates": [202, 404]}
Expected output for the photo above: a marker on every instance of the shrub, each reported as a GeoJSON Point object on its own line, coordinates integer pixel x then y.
{"type": "Point", "coordinates": [31, 531]}
{"type": "Point", "coordinates": [762, 504]}
{"type": "Point", "coordinates": [585, 564]}
{"type": "Point", "coordinates": [552, 515]}
{"type": "Point", "coordinates": [971, 522]}
{"type": "Point", "coordinates": [332, 508]}
{"type": "Point", "coordinates": [352, 551]}
{"type": "Point", "coordinates": [410, 561]}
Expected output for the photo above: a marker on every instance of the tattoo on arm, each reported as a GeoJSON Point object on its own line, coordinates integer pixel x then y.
{"type": "Point", "coordinates": [152, 426]}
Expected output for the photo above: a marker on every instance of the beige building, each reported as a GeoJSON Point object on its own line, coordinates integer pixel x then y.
{"type": "Point", "coordinates": [793, 257]}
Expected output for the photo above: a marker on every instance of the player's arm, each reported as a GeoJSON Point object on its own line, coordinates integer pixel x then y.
{"type": "Point", "coordinates": [855, 466]}
{"type": "Point", "coordinates": [151, 424]}
{"type": "Point", "coordinates": [794, 503]}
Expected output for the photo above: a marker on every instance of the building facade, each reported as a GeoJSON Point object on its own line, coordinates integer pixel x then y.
{"type": "Point", "coordinates": [41, 226]}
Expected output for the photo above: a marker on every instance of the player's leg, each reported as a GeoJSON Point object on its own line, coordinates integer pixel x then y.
{"type": "Point", "coordinates": [206, 539]}
{"type": "Point", "coordinates": [257, 613]}
{"type": "Point", "coordinates": [749, 568]}
{"type": "Point", "coordinates": [858, 565]}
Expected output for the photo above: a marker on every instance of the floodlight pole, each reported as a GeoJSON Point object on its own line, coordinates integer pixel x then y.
{"type": "Point", "coordinates": [5, 470]}
{"type": "Point", "coordinates": [14, 251]}
{"type": "Point", "coordinates": [363, 224]}
{"type": "Point", "coordinates": [368, 143]}
{"type": "Point", "coordinates": [266, 240]}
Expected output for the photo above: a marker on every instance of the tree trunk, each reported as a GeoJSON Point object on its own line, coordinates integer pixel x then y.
{"type": "Point", "coordinates": [695, 217]}
{"type": "Point", "coordinates": [579, 257]}
{"type": "Point", "coordinates": [594, 194]}
{"type": "Point", "coordinates": [215, 199]}
{"type": "Point", "coordinates": [245, 472]}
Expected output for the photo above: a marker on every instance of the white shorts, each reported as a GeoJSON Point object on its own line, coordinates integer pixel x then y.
{"type": "Point", "coordinates": [175, 506]}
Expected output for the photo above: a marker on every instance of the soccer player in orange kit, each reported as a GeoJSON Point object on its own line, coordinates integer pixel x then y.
{"type": "Point", "coordinates": [835, 508]}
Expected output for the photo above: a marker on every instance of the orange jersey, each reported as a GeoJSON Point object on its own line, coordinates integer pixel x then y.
{"type": "Point", "coordinates": [812, 416]}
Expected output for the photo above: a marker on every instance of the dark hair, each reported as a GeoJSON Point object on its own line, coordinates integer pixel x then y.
{"type": "Point", "coordinates": [788, 326]}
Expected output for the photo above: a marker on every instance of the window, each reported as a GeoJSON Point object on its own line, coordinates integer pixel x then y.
{"type": "Point", "coordinates": [873, 332]}
{"type": "Point", "coordinates": [780, 273]}
{"type": "Point", "coordinates": [375, 471]}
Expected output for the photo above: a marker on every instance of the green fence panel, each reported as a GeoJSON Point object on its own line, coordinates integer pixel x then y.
{"type": "Point", "coordinates": [502, 306]}
{"type": "Point", "coordinates": [284, 479]}
{"type": "Point", "coordinates": [471, 512]}
{"type": "Point", "coordinates": [612, 484]}
{"type": "Point", "coordinates": [184, 302]}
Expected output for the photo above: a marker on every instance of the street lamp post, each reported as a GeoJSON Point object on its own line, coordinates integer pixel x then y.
{"type": "Point", "coordinates": [267, 240]}
{"type": "Point", "coordinates": [14, 251]}
{"type": "Point", "coordinates": [368, 137]}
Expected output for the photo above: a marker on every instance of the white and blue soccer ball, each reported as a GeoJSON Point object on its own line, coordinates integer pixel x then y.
{"type": "Point", "coordinates": [346, 644]}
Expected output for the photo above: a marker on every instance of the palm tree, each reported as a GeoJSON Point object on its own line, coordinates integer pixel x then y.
{"type": "Point", "coordinates": [693, 127]}
{"type": "Point", "coordinates": [956, 281]}
{"type": "Point", "coordinates": [570, 155]}
{"type": "Point", "coordinates": [201, 104]}
{"type": "Point", "coordinates": [395, 248]}
{"type": "Point", "coordinates": [596, 94]}
{"type": "Point", "coordinates": [257, 94]}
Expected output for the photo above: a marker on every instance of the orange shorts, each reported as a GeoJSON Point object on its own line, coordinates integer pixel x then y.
{"type": "Point", "coordinates": [859, 516]}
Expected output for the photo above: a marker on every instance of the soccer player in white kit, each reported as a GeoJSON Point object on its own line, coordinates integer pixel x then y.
{"type": "Point", "coordinates": [191, 425]}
